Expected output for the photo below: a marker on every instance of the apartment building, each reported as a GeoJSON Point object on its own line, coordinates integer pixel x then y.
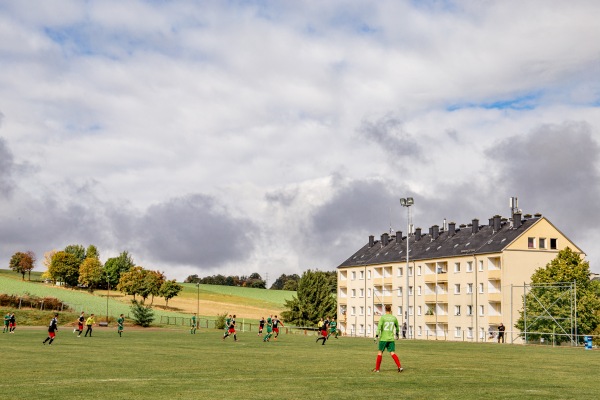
{"type": "Point", "coordinates": [459, 282]}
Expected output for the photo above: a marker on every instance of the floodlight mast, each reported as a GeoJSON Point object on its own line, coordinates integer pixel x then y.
{"type": "Point", "coordinates": [407, 202]}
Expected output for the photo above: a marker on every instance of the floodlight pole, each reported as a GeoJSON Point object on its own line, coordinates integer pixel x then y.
{"type": "Point", "coordinates": [198, 305]}
{"type": "Point", "coordinates": [407, 202]}
{"type": "Point", "coordinates": [107, 296]}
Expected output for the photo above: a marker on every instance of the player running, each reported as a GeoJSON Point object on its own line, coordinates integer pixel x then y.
{"type": "Point", "coordinates": [12, 323]}
{"type": "Point", "coordinates": [6, 323]}
{"type": "Point", "coordinates": [276, 323]}
{"type": "Point", "coordinates": [120, 324]}
{"type": "Point", "coordinates": [80, 322]}
{"type": "Point", "coordinates": [387, 328]}
{"type": "Point", "coordinates": [267, 337]}
{"type": "Point", "coordinates": [261, 325]}
{"type": "Point", "coordinates": [193, 325]}
{"type": "Point", "coordinates": [333, 328]}
{"type": "Point", "coordinates": [323, 331]}
{"type": "Point", "coordinates": [231, 330]}
{"type": "Point", "coordinates": [52, 328]}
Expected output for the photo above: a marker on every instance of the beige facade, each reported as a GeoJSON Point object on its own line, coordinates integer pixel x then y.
{"type": "Point", "coordinates": [472, 284]}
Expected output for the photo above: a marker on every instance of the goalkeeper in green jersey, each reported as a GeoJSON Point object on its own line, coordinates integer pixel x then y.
{"type": "Point", "coordinates": [387, 328]}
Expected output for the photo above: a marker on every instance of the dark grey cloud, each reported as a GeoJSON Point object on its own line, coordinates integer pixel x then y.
{"type": "Point", "coordinates": [389, 134]}
{"type": "Point", "coordinates": [555, 168]}
{"type": "Point", "coordinates": [282, 197]}
{"type": "Point", "coordinates": [194, 230]}
{"type": "Point", "coordinates": [7, 167]}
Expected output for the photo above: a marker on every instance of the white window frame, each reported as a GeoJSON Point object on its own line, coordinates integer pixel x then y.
{"type": "Point", "coordinates": [469, 266]}
{"type": "Point", "coordinates": [457, 288]}
{"type": "Point", "coordinates": [456, 267]}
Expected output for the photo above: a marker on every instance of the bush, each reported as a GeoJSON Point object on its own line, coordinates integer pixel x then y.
{"type": "Point", "coordinates": [142, 315]}
{"type": "Point", "coordinates": [220, 321]}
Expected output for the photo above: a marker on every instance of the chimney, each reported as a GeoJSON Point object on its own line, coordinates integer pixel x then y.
{"type": "Point", "coordinates": [516, 220]}
{"type": "Point", "coordinates": [497, 223]}
{"type": "Point", "coordinates": [451, 228]}
{"type": "Point", "coordinates": [436, 232]}
{"type": "Point", "coordinates": [398, 236]}
{"type": "Point", "coordinates": [385, 239]}
{"type": "Point", "coordinates": [418, 234]}
{"type": "Point", "coordinates": [475, 226]}
{"type": "Point", "coordinates": [371, 240]}
{"type": "Point", "coordinates": [491, 222]}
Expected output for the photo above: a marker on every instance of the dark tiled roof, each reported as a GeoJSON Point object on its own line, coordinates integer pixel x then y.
{"type": "Point", "coordinates": [463, 242]}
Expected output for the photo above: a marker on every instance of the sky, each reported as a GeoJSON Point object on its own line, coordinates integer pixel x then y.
{"type": "Point", "coordinates": [232, 137]}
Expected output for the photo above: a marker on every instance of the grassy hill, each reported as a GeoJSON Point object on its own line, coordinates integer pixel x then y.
{"type": "Point", "coordinates": [210, 300]}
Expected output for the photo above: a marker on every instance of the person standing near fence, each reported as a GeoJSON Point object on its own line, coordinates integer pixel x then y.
{"type": "Point", "coordinates": [501, 329]}
{"type": "Point", "coordinates": [52, 328]}
{"type": "Point", "coordinates": [193, 325]}
{"type": "Point", "coordinates": [89, 323]}
{"type": "Point", "coordinates": [120, 324]}
{"type": "Point", "coordinates": [261, 325]}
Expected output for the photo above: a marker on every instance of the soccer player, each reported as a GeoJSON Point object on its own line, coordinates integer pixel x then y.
{"type": "Point", "coordinates": [193, 324]}
{"type": "Point", "coordinates": [323, 330]}
{"type": "Point", "coordinates": [6, 323]}
{"type": "Point", "coordinates": [89, 323]}
{"type": "Point", "coordinates": [267, 337]}
{"type": "Point", "coordinates": [333, 328]}
{"type": "Point", "coordinates": [52, 328]}
{"type": "Point", "coordinates": [120, 323]}
{"type": "Point", "coordinates": [231, 330]}
{"type": "Point", "coordinates": [80, 322]}
{"type": "Point", "coordinates": [276, 323]}
{"type": "Point", "coordinates": [387, 328]}
{"type": "Point", "coordinates": [12, 323]}
{"type": "Point", "coordinates": [261, 325]}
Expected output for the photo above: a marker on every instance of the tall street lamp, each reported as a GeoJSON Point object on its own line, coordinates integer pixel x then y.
{"type": "Point", "coordinates": [407, 202]}
{"type": "Point", "coordinates": [107, 296]}
{"type": "Point", "coordinates": [198, 306]}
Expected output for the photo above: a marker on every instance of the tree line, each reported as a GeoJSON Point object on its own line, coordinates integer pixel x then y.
{"type": "Point", "coordinates": [284, 282]}
{"type": "Point", "coordinates": [77, 266]}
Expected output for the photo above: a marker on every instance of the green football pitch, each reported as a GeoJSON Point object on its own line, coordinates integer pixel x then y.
{"type": "Point", "coordinates": [173, 364]}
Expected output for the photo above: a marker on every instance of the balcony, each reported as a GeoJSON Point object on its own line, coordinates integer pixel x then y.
{"type": "Point", "coordinates": [494, 297]}
{"type": "Point", "coordinates": [433, 278]}
{"type": "Point", "coordinates": [494, 274]}
{"type": "Point", "coordinates": [494, 319]}
{"type": "Point", "coordinates": [432, 319]}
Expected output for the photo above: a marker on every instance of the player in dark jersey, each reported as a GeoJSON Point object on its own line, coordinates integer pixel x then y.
{"type": "Point", "coordinates": [323, 331]}
{"type": "Point", "coordinates": [231, 330]}
{"type": "Point", "coordinates": [276, 323]}
{"type": "Point", "coordinates": [261, 325]}
{"type": "Point", "coordinates": [52, 328]}
{"type": "Point", "coordinates": [80, 322]}
{"type": "Point", "coordinates": [12, 323]}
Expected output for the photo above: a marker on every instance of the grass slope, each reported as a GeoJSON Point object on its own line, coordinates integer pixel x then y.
{"type": "Point", "coordinates": [161, 364]}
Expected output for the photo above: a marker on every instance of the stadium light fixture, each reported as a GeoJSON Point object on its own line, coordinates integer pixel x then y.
{"type": "Point", "coordinates": [407, 202]}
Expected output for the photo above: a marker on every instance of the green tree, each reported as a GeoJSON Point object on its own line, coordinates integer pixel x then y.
{"type": "Point", "coordinates": [64, 267]}
{"type": "Point", "coordinates": [549, 306]}
{"type": "Point", "coordinates": [169, 289]}
{"type": "Point", "coordinates": [22, 263]}
{"type": "Point", "coordinates": [131, 282]}
{"type": "Point", "coordinates": [314, 300]}
{"type": "Point", "coordinates": [151, 284]}
{"type": "Point", "coordinates": [255, 281]}
{"type": "Point", "coordinates": [92, 252]}
{"type": "Point", "coordinates": [77, 250]}
{"type": "Point", "coordinates": [116, 266]}
{"type": "Point", "coordinates": [142, 315]}
{"type": "Point", "coordinates": [280, 283]}
{"type": "Point", "coordinates": [291, 285]}
{"type": "Point", "coordinates": [90, 273]}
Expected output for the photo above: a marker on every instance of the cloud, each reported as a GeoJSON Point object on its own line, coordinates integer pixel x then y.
{"type": "Point", "coordinates": [7, 167]}
{"type": "Point", "coordinates": [389, 134]}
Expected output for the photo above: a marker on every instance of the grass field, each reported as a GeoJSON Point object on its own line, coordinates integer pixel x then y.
{"type": "Point", "coordinates": [172, 364]}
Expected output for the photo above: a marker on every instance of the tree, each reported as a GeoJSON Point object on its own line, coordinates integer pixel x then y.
{"type": "Point", "coordinates": [116, 266]}
{"type": "Point", "coordinates": [90, 273]}
{"type": "Point", "coordinates": [47, 263]}
{"type": "Point", "coordinates": [142, 315]}
{"type": "Point", "coordinates": [77, 250]}
{"type": "Point", "coordinates": [151, 284]}
{"type": "Point", "coordinates": [255, 281]}
{"type": "Point", "coordinates": [169, 289]}
{"type": "Point", "coordinates": [192, 279]}
{"type": "Point", "coordinates": [131, 281]}
{"type": "Point", "coordinates": [92, 252]}
{"type": "Point", "coordinates": [22, 263]}
{"type": "Point", "coordinates": [291, 285]}
{"type": "Point", "coordinates": [314, 300]}
{"type": "Point", "coordinates": [64, 267]}
{"type": "Point", "coordinates": [567, 267]}
{"type": "Point", "coordinates": [280, 283]}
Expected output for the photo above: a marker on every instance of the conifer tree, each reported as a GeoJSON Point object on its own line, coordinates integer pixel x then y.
{"type": "Point", "coordinates": [314, 300]}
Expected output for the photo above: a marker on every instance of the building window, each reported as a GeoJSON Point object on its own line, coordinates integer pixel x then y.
{"type": "Point", "coordinates": [399, 292]}
{"type": "Point", "coordinates": [456, 310]}
{"type": "Point", "coordinates": [410, 271]}
{"type": "Point", "coordinates": [481, 265]}
{"type": "Point", "coordinates": [410, 290]}
{"type": "Point", "coordinates": [353, 275]}
{"type": "Point", "coordinates": [469, 288]}
{"type": "Point", "coordinates": [410, 310]}
{"type": "Point", "coordinates": [457, 267]}
{"type": "Point", "coordinates": [419, 270]}
{"type": "Point", "coordinates": [419, 310]}
{"type": "Point", "coordinates": [399, 273]}
{"type": "Point", "coordinates": [553, 244]}
{"type": "Point", "coordinates": [470, 332]}
{"type": "Point", "coordinates": [369, 293]}
{"type": "Point", "coordinates": [418, 290]}
{"type": "Point", "coordinates": [369, 274]}
{"type": "Point", "coordinates": [362, 310]}
{"type": "Point", "coordinates": [469, 266]}
{"type": "Point", "coordinates": [481, 287]}
{"type": "Point", "coordinates": [420, 330]}
{"type": "Point", "coordinates": [399, 310]}
{"type": "Point", "coordinates": [369, 310]}
{"type": "Point", "coordinates": [362, 292]}
{"type": "Point", "coordinates": [457, 288]}
{"type": "Point", "coordinates": [353, 292]}
{"type": "Point", "coordinates": [353, 311]}
{"type": "Point", "coordinates": [457, 332]}
{"type": "Point", "coordinates": [531, 243]}
{"type": "Point", "coordinates": [362, 329]}
{"type": "Point", "coordinates": [481, 310]}
{"type": "Point", "coordinates": [362, 275]}
{"type": "Point", "coordinates": [469, 310]}
{"type": "Point", "coordinates": [542, 243]}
